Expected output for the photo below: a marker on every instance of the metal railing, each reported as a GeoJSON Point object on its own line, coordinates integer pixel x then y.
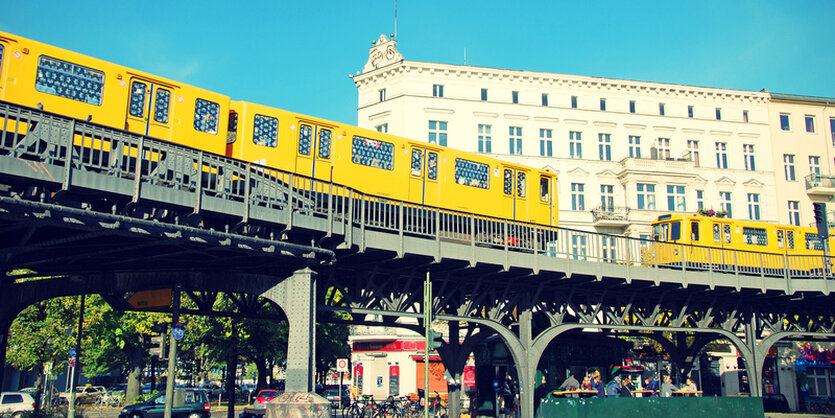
{"type": "Point", "coordinates": [818, 180]}
{"type": "Point", "coordinates": [37, 147]}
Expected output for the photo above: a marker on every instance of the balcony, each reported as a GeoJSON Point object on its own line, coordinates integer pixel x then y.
{"type": "Point", "coordinates": [820, 185]}
{"type": "Point", "coordinates": [614, 217]}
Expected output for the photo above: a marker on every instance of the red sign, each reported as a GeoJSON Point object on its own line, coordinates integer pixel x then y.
{"type": "Point", "coordinates": [468, 379]}
{"type": "Point", "coordinates": [394, 370]}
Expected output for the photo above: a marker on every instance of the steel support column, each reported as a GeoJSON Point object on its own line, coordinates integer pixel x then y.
{"type": "Point", "coordinates": [752, 364]}
{"type": "Point", "coordinates": [526, 365]}
{"type": "Point", "coordinates": [297, 297]}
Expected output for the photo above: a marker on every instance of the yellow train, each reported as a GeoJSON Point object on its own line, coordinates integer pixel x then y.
{"type": "Point", "coordinates": [753, 247]}
{"type": "Point", "coordinates": [41, 76]}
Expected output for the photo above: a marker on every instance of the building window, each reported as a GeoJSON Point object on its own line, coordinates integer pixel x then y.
{"type": "Point", "coordinates": [810, 124]}
{"type": "Point", "coordinates": [545, 99]}
{"type": "Point", "coordinates": [605, 146]}
{"type": "Point", "coordinates": [603, 104]}
{"type": "Point", "coordinates": [693, 148]}
{"type": "Point", "coordinates": [794, 213]}
{"type": "Point", "coordinates": [784, 122]}
{"type": "Point", "coordinates": [382, 128]}
{"type": "Point", "coordinates": [818, 382]}
{"type": "Point", "coordinates": [578, 198]}
{"type": "Point", "coordinates": [437, 132]}
{"type": "Point", "coordinates": [515, 96]}
{"type": "Point", "coordinates": [575, 146]}
{"type": "Point", "coordinates": [664, 148]}
{"type": "Point", "coordinates": [675, 198]}
{"type": "Point", "coordinates": [700, 199]}
{"type": "Point", "coordinates": [814, 165]}
{"type": "Point", "coordinates": [748, 154]}
{"type": "Point", "coordinates": [382, 93]}
{"type": "Point", "coordinates": [631, 106]}
{"type": "Point", "coordinates": [788, 167]}
{"type": "Point", "coordinates": [634, 146]}
{"type": "Point", "coordinates": [661, 109]}
{"type": "Point", "coordinates": [607, 197]}
{"type": "Point", "coordinates": [578, 246]}
{"type": "Point", "coordinates": [646, 196]}
{"type": "Point", "coordinates": [832, 130]}
{"type": "Point", "coordinates": [546, 146]}
{"type": "Point", "coordinates": [718, 113]}
{"type": "Point", "coordinates": [483, 95]}
{"type": "Point", "coordinates": [515, 140]}
{"type": "Point", "coordinates": [725, 203]}
{"type": "Point", "coordinates": [485, 138]}
{"type": "Point", "coordinates": [690, 111]}
{"type": "Point", "coordinates": [573, 102]}
{"type": "Point", "coordinates": [438, 90]}
{"type": "Point", "coordinates": [721, 155]}
{"type": "Point", "coordinates": [754, 206]}
{"type": "Point", "coordinates": [745, 116]}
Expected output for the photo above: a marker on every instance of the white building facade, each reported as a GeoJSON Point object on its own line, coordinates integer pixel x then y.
{"type": "Point", "coordinates": [625, 151]}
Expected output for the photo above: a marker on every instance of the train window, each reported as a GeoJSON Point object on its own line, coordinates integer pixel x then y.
{"type": "Point", "coordinates": [694, 231]}
{"type": "Point", "coordinates": [656, 232]}
{"type": "Point", "coordinates": [325, 143]}
{"type": "Point", "coordinates": [136, 107]}
{"type": "Point", "coordinates": [675, 231]}
{"type": "Point", "coordinates": [471, 173]}
{"type": "Point", "coordinates": [790, 239]}
{"type": "Point", "coordinates": [508, 182]}
{"type": "Point", "coordinates": [520, 184]}
{"type": "Point", "coordinates": [432, 165]}
{"type": "Point", "coordinates": [69, 80]}
{"type": "Point", "coordinates": [544, 189]}
{"type": "Point", "coordinates": [755, 236]}
{"type": "Point", "coordinates": [717, 233]}
{"type": "Point", "coordinates": [265, 131]}
{"type": "Point", "coordinates": [417, 162]}
{"type": "Point", "coordinates": [373, 153]}
{"type": "Point", "coordinates": [727, 234]}
{"type": "Point", "coordinates": [232, 127]}
{"type": "Point", "coordinates": [780, 239]}
{"type": "Point", "coordinates": [813, 242]}
{"type": "Point", "coordinates": [161, 105]}
{"type": "Point", "coordinates": [305, 134]}
{"type": "Point", "coordinates": [206, 115]}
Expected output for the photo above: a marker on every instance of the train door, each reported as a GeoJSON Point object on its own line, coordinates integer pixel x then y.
{"type": "Point", "coordinates": [3, 54]}
{"type": "Point", "coordinates": [515, 193]}
{"type": "Point", "coordinates": [547, 211]}
{"type": "Point", "coordinates": [423, 178]}
{"type": "Point", "coordinates": [149, 108]}
{"type": "Point", "coordinates": [314, 151]}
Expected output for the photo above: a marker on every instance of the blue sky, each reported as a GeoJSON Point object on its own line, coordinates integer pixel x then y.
{"type": "Point", "coordinates": [298, 55]}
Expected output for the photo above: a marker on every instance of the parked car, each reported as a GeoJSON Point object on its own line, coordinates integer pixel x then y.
{"type": "Point", "coordinates": [263, 397]}
{"type": "Point", "coordinates": [332, 393]}
{"type": "Point", "coordinates": [775, 402]}
{"type": "Point", "coordinates": [211, 389]}
{"type": "Point", "coordinates": [16, 403]}
{"type": "Point", "coordinates": [87, 394]}
{"type": "Point", "coordinates": [188, 402]}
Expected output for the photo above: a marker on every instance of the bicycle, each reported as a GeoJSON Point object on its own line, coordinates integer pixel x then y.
{"type": "Point", "coordinates": [388, 408]}
{"type": "Point", "coordinates": [436, 406]}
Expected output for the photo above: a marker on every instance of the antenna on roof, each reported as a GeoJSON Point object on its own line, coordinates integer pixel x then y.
{"type": "Point", "coordinates": [465, 55]}
{"type": "Point", "coordinates": [395, 20]}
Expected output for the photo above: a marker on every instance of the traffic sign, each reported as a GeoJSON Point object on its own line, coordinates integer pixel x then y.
{"type": "Point", "coordinates": [73, 352]}
{"type": "Point", "coordinates": [342, 365]}
{"type": "Point", "coordinates": [177, 331]}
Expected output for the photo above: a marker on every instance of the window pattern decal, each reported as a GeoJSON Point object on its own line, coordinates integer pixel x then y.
{"type": "Point", "coordinates": [432, 165]}
{"type": "Point", "coordinates": [137, 99]}
{"type": "Point", "coordinates": [161, 105]}
{"type": "Point", "coordinates": [68, 80]}
{"type": "Point", "coordinates": [755, 236]}
{"type": "Point", "coordinates": [471, 173]}
{"type": "Point", "coordinates": [206, 116]}
{"type": "Point", "coordinates": [520, 184]}
{"type": "Point", "coordinates": [305, 134]}
{"type": "Point", "coordinates": [508, 182]}
{"type": "Point", "coordinates": [325, 143]}
{"type": "Point", "coordinates": [727, 229]}
{"type": "Point", "coordinates": [417, 162]}
{"type": "Point", "coordinates": [372, 153]}
{"type": "Point", "coordinates": [265, 131]}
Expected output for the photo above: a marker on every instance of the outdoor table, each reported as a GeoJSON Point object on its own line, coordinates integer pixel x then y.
{"type": "Point", "coordinates": [580, 393]}
{"type": "Point", "coordinates": [686, 392]}
{"type": "Point", "coordinates": [644, 393]}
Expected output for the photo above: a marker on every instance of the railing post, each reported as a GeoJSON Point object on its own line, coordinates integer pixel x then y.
{"type": "Point", "coordinates": [68, 164]}
{"type": "Point", "coordinates": [401, 217]}
{"type": "Point", "coordinates": [330, 208]}
{"type": "Point", "coordinates": [247, 192]}
{"type": "Point", "coordinates": [138, 169]}
{"type": "Point", "coordinates": [199, 188]}
{"type": "Point", "coordinates": [363, 203]}
{"type": "Point", "coordinates": [291, 191]}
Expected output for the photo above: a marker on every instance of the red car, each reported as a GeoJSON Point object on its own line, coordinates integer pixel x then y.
{"type": "Point", "coordinates": [263, 397]}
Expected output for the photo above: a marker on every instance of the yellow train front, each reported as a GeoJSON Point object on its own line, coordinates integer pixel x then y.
{"type": "Point", "coordinates": [392, 167]}
{"type": "Point", "coordinates": [748, 247]}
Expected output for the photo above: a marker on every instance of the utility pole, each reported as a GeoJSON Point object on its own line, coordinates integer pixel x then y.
{"type": "Point", "coordinates": [427, 323]}
{"type": "Point", "coordinates": [172, 352]}
{"type": "Point", "coordinates": [76, 359]}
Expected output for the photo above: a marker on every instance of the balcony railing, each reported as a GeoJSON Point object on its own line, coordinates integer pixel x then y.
{"type": "Point", "coordinates": [819, 181]}
{"type": "Point", "coordinates": [610, 214]}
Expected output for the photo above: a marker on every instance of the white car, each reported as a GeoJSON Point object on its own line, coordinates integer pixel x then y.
{"type": "Point", "coordinates": [16, 403]}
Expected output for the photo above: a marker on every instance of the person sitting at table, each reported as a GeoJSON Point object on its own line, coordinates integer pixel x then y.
{"type": "Point", "coordinates": [570, 384]}
{"type": "Point", "coordinates": [614, 388]}
{"type": "Point", "coordinates": [626, 388]}
{"type": "Point", "coordinates": [599, 386]}
{"type": "Point", "coordinates": [668, 387]}
{"type": "Point", "coordinates": [652, 385]}
{"type": "Point", "coordinates": [691, 387]}
{"type": "Point", "coordinates": [586, 385]}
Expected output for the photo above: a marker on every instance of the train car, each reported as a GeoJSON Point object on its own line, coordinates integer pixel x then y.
{"type": "Point", "coordinates": [56, 80]}
{"type": "Point", "coordinates": [391, 167]}
{"type": "Point", "coordinates": [712, 243]}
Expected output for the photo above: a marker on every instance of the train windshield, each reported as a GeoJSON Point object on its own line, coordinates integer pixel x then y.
{"type": "Point", "coordinates": [669, 231]}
